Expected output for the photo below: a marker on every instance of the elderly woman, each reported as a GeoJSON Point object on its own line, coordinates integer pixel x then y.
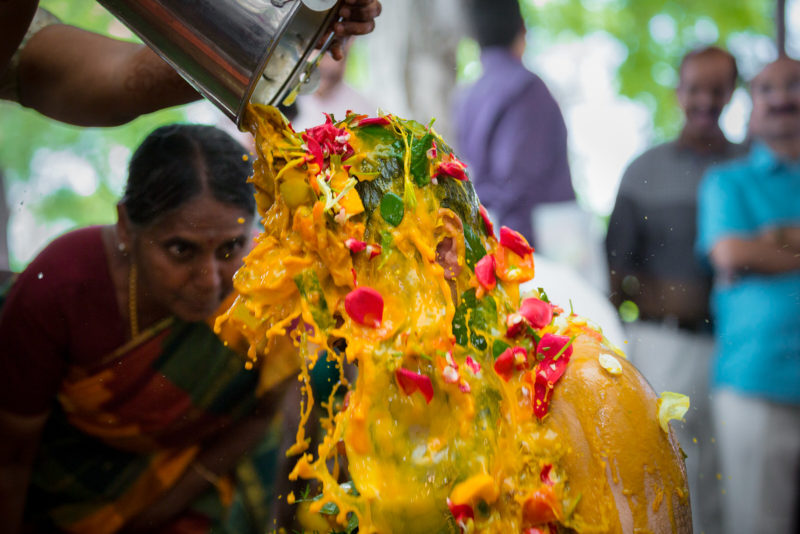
{"type": "Point", "coordinates": [120, 410]}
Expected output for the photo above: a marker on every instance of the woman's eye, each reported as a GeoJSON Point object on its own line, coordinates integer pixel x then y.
{"type": "Point", "coordinates": [230, 249]}
{"type": "Point", "coordinates": [180, 250]}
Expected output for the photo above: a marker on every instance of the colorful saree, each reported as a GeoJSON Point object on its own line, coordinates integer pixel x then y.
{"type": "Point", "coordinates": [123, 433]}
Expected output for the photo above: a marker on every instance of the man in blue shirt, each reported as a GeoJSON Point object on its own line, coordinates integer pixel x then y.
{"type": "Point", "coordinates": [749, 229]}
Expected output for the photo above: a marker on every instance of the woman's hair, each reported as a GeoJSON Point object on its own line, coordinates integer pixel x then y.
{"type": "Point", "coordinates": [178, 162]}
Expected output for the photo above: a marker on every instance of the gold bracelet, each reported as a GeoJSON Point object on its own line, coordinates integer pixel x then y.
{"type": "Point", "coordinates": [205, 473]}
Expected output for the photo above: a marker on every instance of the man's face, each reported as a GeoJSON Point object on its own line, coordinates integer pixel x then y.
{"type": "Point", "coordinates": [705, 87]}
{"type": "Point", "coordinates": [776, 101]}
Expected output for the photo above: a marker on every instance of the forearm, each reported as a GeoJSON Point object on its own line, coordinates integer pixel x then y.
{"type": "Point", "coordinates": [123, 80]}
{"type": "Point", "coordinates": [787, 237]}
{"type": "Point", "coordinates": [217, 459]}
{"type": "Point", "coordinates": [756, 255]}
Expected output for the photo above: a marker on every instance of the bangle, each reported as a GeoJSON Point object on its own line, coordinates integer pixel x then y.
{"type": "Point", "coordinates": [206, 474]}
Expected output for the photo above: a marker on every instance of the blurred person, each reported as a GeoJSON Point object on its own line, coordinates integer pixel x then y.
{"type": "Point", "coordinates": [649, 247]}
{"type": "Point", "coordinates": [509, 128]}
{"type": "Point", "coordinates": [120, 409]}
{"type": "Point", "coordinates": [44, 66]}
{"type": "Point", "coordinates": [749, 229]}
{"type": "Point", "coordinates": [333, 96]}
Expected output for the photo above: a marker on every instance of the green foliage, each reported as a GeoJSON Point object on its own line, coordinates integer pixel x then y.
{"type": "Point", "coordinates": [647, 74]}
{"type": "Point", "coordinates": [650, 68]}
{"type": "Point", "coordinates": [25, 132]}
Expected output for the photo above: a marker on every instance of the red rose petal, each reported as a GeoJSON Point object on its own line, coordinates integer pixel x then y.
{"type": "Point", "coordinates": [487, 222]}
{"type": "Point", "coordinates": [452, 169]}
{"type": "Point", "coordinates": [515, 324]}
{"type": "Point", "coordinates": [514, 241]}
{"type": "Point", "coordinates": [354, 244]}
{"type": "Point", "coordinates": [545, 474]}
{"type": "Point", "coordinates": [551, 344]}
{"type": "Point", "coordinates": [365, 306]}
{"type": "Point", "coordinates": [373, 121]}
{"type": "Point", "coordinates": [326, 139]}
{"type": "Point", "coordinates": [410, 382]}
{"type": "Point", "coordinates": [484, 272]}
{"type": "Point", "coordinates": [549, 370]}
{"type": "Point", "coordinates": [373, 250]}
{"type": "Point", "coordinates": [504, 364]}
{"type": "Point", "coordinates": [537, 312]}
{"type": "Point", "coordinates": [460, 511]}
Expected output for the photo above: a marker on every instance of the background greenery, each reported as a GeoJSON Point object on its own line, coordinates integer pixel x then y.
{"type": "Point", "coordinates": [654, 34]}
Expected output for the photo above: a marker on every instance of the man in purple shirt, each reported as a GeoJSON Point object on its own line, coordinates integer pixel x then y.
{"type": "Point", "coordinates": [509, 128]}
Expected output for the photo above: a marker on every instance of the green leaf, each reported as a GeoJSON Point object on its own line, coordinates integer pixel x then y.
{"type": "Point", "coordinates": [473, 319]}
{"type": "Point", "coordinates": [376, 135]}
{"type": "Point", "coordinates": [474, 249]}
{"type": "Point", "coordinates": [420, 171]}
{"type": "Point", "coordinates": [543, 295]}
{"type": "Point", "coordinates": [392, 209]}
{"type": "Point", "coordinates": [482, 318]}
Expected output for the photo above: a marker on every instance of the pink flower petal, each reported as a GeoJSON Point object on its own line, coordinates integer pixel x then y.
{"type": "Point", "coordinates": [473, 365]}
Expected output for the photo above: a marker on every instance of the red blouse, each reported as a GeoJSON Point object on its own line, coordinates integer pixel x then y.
{"type": "Point", "coordinates": [61, 311]}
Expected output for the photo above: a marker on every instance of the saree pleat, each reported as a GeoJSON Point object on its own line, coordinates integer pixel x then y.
{"type": "Point", "coordinates": [124, 432]}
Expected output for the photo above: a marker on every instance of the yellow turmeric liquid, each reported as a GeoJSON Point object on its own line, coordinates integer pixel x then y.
{"type": "Point", "coordinates": [474, 456]}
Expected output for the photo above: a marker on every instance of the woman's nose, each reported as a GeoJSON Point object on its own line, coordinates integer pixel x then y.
{"type": "Point", "coordinates": [207, 275]}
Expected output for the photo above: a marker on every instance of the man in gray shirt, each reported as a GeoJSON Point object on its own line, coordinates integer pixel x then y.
{"type": "Point", "coordinates": [650, 249]}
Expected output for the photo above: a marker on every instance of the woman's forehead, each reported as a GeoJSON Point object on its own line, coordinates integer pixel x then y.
{"type": "Point", "coordinates": [204, 216]}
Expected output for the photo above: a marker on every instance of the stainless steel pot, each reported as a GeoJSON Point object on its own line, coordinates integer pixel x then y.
{"type": "Point", "coordinates": [232, 51]}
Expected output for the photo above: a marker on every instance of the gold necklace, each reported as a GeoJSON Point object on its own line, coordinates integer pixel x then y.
{"type": "Point", "coordinates": [132, 311]}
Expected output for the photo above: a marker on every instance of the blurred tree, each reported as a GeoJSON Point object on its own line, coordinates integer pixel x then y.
{"type": "Point", "coordinates": [656, 34]}
{"type": "Point", "coordinates": [413, 61]}
{"type": "Point", "coordinates": [26, 136]}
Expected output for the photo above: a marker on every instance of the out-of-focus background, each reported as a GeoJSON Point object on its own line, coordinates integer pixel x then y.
{"type": "Point", "coordinates": [611, 65]}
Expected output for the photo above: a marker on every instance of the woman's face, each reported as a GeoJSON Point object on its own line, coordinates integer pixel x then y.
{"type": "Point", "coordinates": [187, 258]}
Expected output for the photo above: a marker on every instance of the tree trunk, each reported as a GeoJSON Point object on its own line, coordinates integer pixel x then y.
{"type": "Point", "coordinates": [412, 59]}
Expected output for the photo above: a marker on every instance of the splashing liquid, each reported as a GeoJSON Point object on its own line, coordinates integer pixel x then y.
{"type": "Point", "coordinates": [475, 408]}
